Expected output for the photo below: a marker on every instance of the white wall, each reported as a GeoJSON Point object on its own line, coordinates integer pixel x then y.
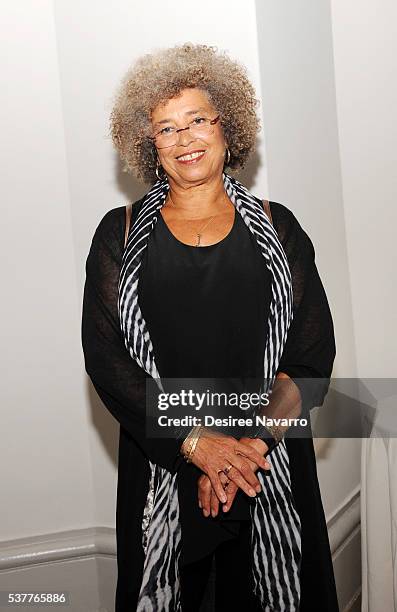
{"type": "Point", "coordinates": [365, 58]}
{"type": "Point", "coordinates": [365, 64]}
{"type": "Point", "coordinates": [46, 468]}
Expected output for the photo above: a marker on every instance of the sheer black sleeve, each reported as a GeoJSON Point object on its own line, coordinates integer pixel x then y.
{"type": "Point", "coordinates": [310, 349]}
{"type": "Point", "coordinates": [119, 381]}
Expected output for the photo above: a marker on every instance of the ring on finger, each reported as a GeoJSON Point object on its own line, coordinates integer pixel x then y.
{"type": "Point", "coordinates": [227, 469]}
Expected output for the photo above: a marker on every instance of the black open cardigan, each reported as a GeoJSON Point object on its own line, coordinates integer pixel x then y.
{"type": "Point", "coordinates": [120, 383]}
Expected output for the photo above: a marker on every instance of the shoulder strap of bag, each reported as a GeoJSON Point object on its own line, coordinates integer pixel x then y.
{"type": "Point", "coordinates": [128, 210]}
{"type": "Point", "coordinates": [266, 206]}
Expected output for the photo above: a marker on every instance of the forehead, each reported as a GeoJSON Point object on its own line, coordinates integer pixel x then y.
{"type": "Point", "coordinates": [187, 101]}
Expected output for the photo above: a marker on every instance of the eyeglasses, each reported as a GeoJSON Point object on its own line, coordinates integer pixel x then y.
{"type": "Point", "coordinates": [199, 128]}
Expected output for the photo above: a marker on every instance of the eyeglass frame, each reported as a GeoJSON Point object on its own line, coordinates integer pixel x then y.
{"type": "Point", "coordinates": [153, 138]}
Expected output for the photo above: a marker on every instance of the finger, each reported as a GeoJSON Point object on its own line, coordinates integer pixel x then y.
{"type": "Point", "coordinates": [246, 472]}
{"type": "Point", "coordinates": [224, 479]}
{"type": "Point", "coordinates": [214, 503]}
{"type": "Point", "coordinates": [200, 488]}
{"type": "Point", "coordinates": [214, 500]}
{"type": "Point", "coordinates": [217, 486]}
{"type": "Point", "coordinates": [231, 494]}
{"type": "Point", "coordinates": [206, 496]}
{"type": "Point", "coordinates": [248, 451]}
{"type": "Point", "coordinates": [235, 475]}
{"type": "Point", "coordinates": [248, 441]}
{"type": "Point", "coordinates": [254, 467]}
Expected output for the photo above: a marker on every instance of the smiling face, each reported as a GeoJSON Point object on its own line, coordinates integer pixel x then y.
{"type": "Point", "coordinates": [192, 160]}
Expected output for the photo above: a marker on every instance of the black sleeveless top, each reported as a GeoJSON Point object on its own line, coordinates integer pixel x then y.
{"type": "Point", "coordinates": [206, 310]}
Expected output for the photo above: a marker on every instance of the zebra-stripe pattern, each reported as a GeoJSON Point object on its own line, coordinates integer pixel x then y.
{"type": "Point", "coordinates": [276, 532]}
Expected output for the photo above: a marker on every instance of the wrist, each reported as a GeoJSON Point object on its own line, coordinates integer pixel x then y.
{"type": "Point", "coordinates": [269, 440]}
{"type": "Point", "coordinates": [188, 446]}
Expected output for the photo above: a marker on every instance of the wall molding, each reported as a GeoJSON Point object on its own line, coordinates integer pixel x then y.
{"type": "Point", "coordinates": [93, 541]}
{"type": "Point", "coordinates": [59, 546]}
{"type": "Point", "coordinates": [344, 521]}
{"type": "Point", "coordinates": [80, 548]}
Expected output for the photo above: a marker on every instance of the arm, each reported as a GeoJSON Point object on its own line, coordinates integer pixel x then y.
{"type": "Point", "coordinates": [304, 371]}
{"type": "Point", "coordinates": [117, 378]}
{"type": "Point", "coordinates": [285, 402]}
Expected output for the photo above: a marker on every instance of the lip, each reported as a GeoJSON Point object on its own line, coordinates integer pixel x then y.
{"type": "Point", "coordinates": [191, 161]}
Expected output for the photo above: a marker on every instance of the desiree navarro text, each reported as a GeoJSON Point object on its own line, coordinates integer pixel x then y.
{"type": "Point", "coordinates": [210, 421]}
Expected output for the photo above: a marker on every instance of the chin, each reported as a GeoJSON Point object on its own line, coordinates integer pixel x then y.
{"type": "Point", "coordinates": [196, 174]}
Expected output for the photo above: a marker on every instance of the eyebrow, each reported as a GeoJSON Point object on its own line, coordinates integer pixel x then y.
{"type": "Point", "coordinates": [192, 112]}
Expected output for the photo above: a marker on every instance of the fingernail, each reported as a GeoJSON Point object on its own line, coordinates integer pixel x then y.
{"type": "Point", "coordinates": [200, 506]}
{"type": "Point", "coordinates": [205, 512]}
{"type": "Point", "coordinates": [258, 488]}
{"type": "Point", "coordinates": [252, 493]}
{"type": "Point", "coordinates": [213, 513]}
{"type": "Point", "coordinates": [224, 508]}
{"type": "Point", "coordinates": [223, 499]}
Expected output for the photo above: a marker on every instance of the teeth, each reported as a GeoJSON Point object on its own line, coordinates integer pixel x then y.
{"type": "Point", "coordinates": [191, 156]}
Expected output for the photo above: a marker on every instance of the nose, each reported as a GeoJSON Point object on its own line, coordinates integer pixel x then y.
{"type": "Point", "coordinates": [184, 136]}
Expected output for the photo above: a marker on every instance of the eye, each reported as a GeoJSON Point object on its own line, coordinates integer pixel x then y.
{"type": "Point", "coordinates": [166, 130]}
{"type": "Point", "coordinates": [199, 120]}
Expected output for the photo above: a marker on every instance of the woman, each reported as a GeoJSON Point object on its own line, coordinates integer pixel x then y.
{"type": "Point", "coordinates": [221, 294]}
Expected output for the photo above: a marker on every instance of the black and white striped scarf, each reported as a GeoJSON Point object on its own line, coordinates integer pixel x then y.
{"type": "Point", "coordinates": [276, 528]}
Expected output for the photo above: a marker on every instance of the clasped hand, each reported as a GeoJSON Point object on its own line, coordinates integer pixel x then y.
{"type": "Point", "coordinates": [216, 452]}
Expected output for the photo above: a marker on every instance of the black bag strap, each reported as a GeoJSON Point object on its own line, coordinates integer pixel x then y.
{"type": "Point", "coordinates": [128, 211]}
{"type": "Point", "coordinates": [266, 206]}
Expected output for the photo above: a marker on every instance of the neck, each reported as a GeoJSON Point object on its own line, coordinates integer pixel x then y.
{"type": "Point", "coordinates": [199, 200]}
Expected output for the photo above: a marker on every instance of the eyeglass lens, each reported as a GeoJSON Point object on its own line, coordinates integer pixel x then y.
{"type": "Point", "coordinates": [196, 130]}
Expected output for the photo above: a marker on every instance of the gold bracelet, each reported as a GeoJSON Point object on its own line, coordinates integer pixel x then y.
{"type": "Point", "coordinates": [193, 448]}
{"type": "Point", "coordinates": [189, 446]}
{"type": "Point", "coordinates": [191, 440]}
{"type": "Point", "coordinates": [185, 446]}
{"type": "Point", "coordinates": [195, 438]}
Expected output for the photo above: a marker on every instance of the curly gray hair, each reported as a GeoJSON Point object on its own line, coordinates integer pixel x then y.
{"type": "Point", "coordinates": [156, 78]}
